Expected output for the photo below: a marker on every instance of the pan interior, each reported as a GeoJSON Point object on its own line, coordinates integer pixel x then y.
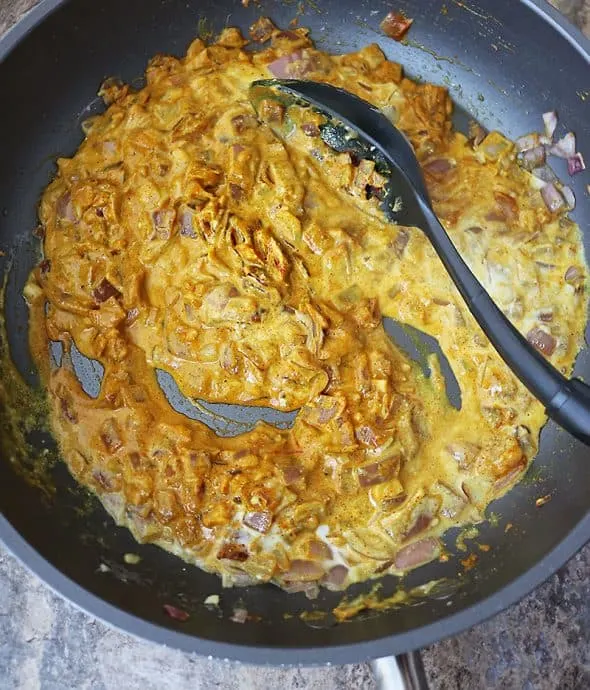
{"type": "Point", "coordinates": [227, 419]}
{"type": "Point", "coordinates": [485, 52]}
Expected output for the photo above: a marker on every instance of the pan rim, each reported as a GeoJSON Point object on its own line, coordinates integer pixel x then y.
{"type": "Point", "coordinates": [16, 33]}
{"type": "Point", "coordinates": [346, 653]}
{"type": "Point", "coordinates": [354, 652]}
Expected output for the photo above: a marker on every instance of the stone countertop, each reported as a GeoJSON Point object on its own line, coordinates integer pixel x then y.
{"type": "Point", "coordinates": [543, 643]}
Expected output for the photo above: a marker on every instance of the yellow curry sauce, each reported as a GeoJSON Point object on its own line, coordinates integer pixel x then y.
{"type": "Point", "coordinates": [184, 235]}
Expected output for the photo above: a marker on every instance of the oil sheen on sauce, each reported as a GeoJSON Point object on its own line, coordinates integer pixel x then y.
{"type": "Point", "coordinates": [185, 235]}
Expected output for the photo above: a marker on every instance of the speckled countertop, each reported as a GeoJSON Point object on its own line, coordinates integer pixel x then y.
{"type": "Point", "coordinates": [543, 643]}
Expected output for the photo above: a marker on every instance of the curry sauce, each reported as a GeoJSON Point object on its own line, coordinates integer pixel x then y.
{"type": "Point", "coordinates": [186, 235]}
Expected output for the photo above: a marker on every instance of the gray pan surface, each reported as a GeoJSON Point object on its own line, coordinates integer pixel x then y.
{"type": "Point", "coordinates": [505, 62]}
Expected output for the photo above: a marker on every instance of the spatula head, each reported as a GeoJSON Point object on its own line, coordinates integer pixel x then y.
{"type": "Point", "coordinates": [355, 126]}
{"type": "Point", "coordinates": [358, 127]}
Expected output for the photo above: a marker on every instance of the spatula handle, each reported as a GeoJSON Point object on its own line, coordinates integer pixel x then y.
{"type": "Point", "coordinates": [567, 401]}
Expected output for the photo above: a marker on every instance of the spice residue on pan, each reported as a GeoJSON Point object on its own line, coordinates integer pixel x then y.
{"type": "Point", "coordinates": [350, 608]}
{"type": "Point", "coordinates": [186, 236]}
{"type": "Point", "coordinates": [23, 413]}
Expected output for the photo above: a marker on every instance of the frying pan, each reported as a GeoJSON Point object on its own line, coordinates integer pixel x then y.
{"type": "Point", "coordinates": [505, 62]}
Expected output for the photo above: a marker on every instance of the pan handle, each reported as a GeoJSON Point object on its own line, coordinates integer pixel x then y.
{"type": "Point", "coordinates": [402, 672]}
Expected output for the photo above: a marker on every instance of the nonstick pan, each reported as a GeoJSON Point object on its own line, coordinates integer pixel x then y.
{"type": "Point", "coordinates": [505, 63]}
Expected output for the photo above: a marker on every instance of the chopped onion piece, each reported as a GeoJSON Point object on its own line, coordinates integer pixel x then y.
{"type": "Point", "coordinates": [526, 142]}
{"type": "Point", "coordinates": [281, 67]}
{"type": "Point", "coordinates": [569, 197]}
{"type": "Point", "coordinates": [416, 553]}
{"type": "Point", "coordinates": [565, 148]}
{"type": "Point", "coordinates": [239, 615]}
{"type": "Point", "coordinates": [175, 612]}
{"type": "Point", "coordinates": [302, 570]}
{"type": "Point", "coordinates": [532, 158]}
{"type": "Point", "coordinates": [336, 576]}
{"type": "Point", "coordinates": [545, 173]}
{"type": "Point", "coordinates": [552, 198]}
{"type": "Point", "coordinates": [573, 274]}
{"type": "Point", "coordinates": [536, 183]}
{"type": "Point", "coordinates": [259, 521]}
{"type": "Point", "coordinates": [105, 290]}
{"type": "Point", "coordinates": [550, 121]}
{"type": "Point", "coordinates": [576, 164]}
{"type": "Point", "coordinates": [396, 25]}
{"type": "Point", "coordinates": [438, 166]}
{"type": "Point", "coordinates": [186, 224]}
{"type": "Point", "coordinates": [64, 207]}
{"type": "Point", "coordinates": [319, 550]}
{"type": "Point", "coordinates": [310, 589]}
{"type": "Point", "coordinates": [542, 341]}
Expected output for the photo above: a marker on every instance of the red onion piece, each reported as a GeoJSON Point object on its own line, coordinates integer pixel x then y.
{"type": "Point", "coordinates": [186, 225]}
{"type": "Point", "coordinates": [421, 523]}
{"type": "Point", "coordinates": [507, 479]}
{"type": "Point", "coordinates": [68, 410]}
{"type": "Point", "coordinates": [401, 242]}
{"type": "Point", "coordinates": [545, 173]}
{"type": "Point", "coordinates": [366, 436]}
{"type": "Point", "coordinates": [569, 197]}
{"type": "Point", "coordinates": [176, 613]}
{"type": "Point", "coordinates": [105, 290]}
{"type": "Point", "coordinates": [550, 122]}
{"type": "Point", "coordinates": [64, 207]}
{"type": "Point", "coordinates": [262, 30]}
{"type": "Point", "coordinates": [438, 166]}
{"type": "Point", "coordinates": [280, 67]}
{"type": "Point", "coordinates": [336, 576]}
{"type": "Point", "coordinates": [110, 436]}
{"type": "Point", "coordinates": [476, 133]}
{"type": "Point", "coordinates": [526, 142]}
{"type": "Point", "coordinates": [310, 589]}
{"type": "Point", "coordinates": [243, 122]}
{"type": "Point", "coordinates": [304, 571]}
{"type": "Point", "coordinates": [572, 274]}
{"type": "Point", "coordinates": [376, 473]}
{"type": "Point", "coordinates": [565, 147]}
{"type": "Point", "coordinates": [104, 479]}
{"type": "Point", "coordinates": [233, 552]}
{"type": "Point", "coordinates": [109, 147]}
{"type": "Point", "coordinates": [416, 553]}
{"type": "Point", "coordinates": [532, 158]}
{"type": "Point", "coordinates": [552, 198]}
{"type": "Point", "coordinates": [310, 129]}
{"type": "Point", "coordinates": [507, 205]}
{"type": "Point", "coordinates": [287, 35]}
{"type": "Point", "coordinates": [576, 164]}
{"type": "Point", "coordinates": [292, 474]}
{"type": "Point", "coordinates": [542, 341]}
{"type": "Point", "coordinates": [395, 25]}
{"type": "Point", "coordinates": [319, 550]}
{"type": "Point", "coordinates": [239, 615]}
{"type": "Point", "coordinates": [260, 521]}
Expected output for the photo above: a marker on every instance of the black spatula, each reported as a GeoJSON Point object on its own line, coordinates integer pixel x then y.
{"type": "Point", "coordinates": [354, 123]}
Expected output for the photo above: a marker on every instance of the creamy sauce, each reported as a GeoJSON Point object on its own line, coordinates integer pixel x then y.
{"type": "Point", "coordinates": [255, 267]}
